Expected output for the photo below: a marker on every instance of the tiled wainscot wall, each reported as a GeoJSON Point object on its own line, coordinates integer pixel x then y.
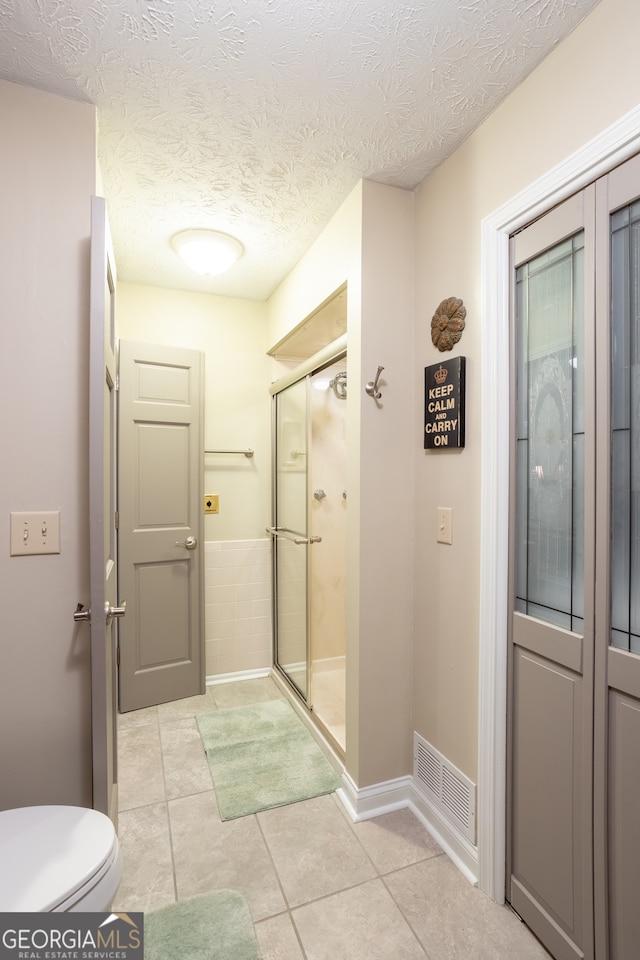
{"type": "Point", "coordinates": [237, 622]}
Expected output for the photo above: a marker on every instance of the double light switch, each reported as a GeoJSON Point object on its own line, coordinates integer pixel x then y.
{"type": "Point", "coordinates": [35, 532]}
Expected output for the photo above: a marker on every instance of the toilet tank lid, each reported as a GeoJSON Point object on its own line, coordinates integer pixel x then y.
{"type": "Point", "coordinates": [48, 852]}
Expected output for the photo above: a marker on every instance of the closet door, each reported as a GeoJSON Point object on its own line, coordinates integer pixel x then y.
{"type": "Point", "coordinates": [552, 569]}
{"type": "Point", "coordinates": [617, 687]}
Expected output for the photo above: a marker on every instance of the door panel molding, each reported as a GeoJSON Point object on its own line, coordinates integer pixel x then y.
{"type": "Point", "coordinates": [544, 926]}
{"type": "Point", "coordinates": [624, 826]}
{"type": "Point", "coordinates": [623, 670]}
{"type": "Point", "coordinates": [565, 647]}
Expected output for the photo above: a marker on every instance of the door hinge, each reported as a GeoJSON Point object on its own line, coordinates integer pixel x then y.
{"type": "Point", "coordinates": [116, 519]}
{"type": "Point", "coordinates": [117, 386]}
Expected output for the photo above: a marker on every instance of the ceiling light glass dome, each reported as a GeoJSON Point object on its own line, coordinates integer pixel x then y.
{"type": "Point", "coordinates": [208, 252]}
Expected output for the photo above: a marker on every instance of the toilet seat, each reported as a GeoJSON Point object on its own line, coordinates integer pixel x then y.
{"type": "Point", "coordinates": [53, 859]}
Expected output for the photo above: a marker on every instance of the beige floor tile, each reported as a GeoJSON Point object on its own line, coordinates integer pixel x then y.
{"type": "Point", "coordinates": [314, 849]}
{"type": "Point", "coordinates": [186, 769]}
{"type": "Point", "coordinates": [244, 692]}
{"type": "Point", "coordinates": [396, 840]}
{"type": "Point", "coordinates": [212, 855]}
{"type": "Point", "coordinates": [189, 707]}
{"type": "Point", "coordinates": [147, 881]}
{"type": "Point", "coordinates": [137, 718]}
{"type": "Point", "coordinates": [277, 939]}
{"type": "Point", "coordinates": [455, 921]}
{"type": "Point", "coordinates": [362, 923]}
{"type": "Point", "coordinates": [140, 776]}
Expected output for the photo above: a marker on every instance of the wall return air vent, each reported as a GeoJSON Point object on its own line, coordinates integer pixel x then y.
{"type": "Point", "coordinates": [453, 794]}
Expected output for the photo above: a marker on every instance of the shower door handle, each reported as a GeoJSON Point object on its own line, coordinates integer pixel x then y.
{"type": "Point", "coordinates": [289, 535]}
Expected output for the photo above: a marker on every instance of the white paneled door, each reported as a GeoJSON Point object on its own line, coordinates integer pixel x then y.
{"type": "Point", "coordinates": [161, 558]}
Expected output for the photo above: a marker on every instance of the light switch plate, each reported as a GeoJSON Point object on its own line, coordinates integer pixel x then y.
{"type": "Point", "coordinates": [34, 532]}
{"type": "Point", "coordinates": [444, 520]}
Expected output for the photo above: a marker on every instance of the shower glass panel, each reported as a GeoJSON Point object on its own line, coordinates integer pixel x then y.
{"type": "Point", "coordinates": [290, 520]}
{"type": "Point", "coordinates": [309, 537]}
{"type": "Point", "coordinates": [327, 560]}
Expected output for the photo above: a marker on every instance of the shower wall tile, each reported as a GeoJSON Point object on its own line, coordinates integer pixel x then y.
{"type": "Point", "coordinates": [237, 606]}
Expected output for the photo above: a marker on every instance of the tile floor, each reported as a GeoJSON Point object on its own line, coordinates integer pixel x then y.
{"type": "Point", "coordinates": [319, 887]}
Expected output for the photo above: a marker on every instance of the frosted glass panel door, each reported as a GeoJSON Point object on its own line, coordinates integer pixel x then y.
{"type": "Point", "coordinates": [550, 436]}
{"type": "Point", "coordinates": [617, 687]}
{"type": "Point", "coordinates": [290, 546]}
{"type": "Point", "coordinates": [625, 428]}
{"type": "Point", "coordinates": [574, 655]}
{"type": "Point", "coordinates": [550, 657]}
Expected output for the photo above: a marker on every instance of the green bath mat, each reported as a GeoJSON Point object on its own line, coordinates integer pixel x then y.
{"type": "Point", "coordinates": [213, 926]}
{"type": "Point", "coordinates": [262, 756]}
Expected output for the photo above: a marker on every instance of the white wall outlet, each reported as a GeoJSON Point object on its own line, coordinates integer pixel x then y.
{"type": "Point", "coordinates": [444, 520]}
{"type": "Point", "coordinates": [35, 532]}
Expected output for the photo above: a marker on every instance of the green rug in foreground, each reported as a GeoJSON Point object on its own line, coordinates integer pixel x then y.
{"type": "Point", "coordinates": [262, 756]}
{"type": "Point", "coordinates": [213, 926]}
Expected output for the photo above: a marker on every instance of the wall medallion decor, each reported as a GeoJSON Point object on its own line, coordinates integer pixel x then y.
{"type": "Point", "coordinates": [447, 323]}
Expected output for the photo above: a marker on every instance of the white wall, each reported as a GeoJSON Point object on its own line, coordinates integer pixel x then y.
{"type": "Point", "coordinates": [587, 83]}
{"type": "Point", "coordinates": [47, 176]}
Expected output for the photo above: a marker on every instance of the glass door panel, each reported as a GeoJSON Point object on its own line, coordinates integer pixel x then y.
{"type": "Point", "coordinates": [550, 437]}
{"type": "Point", "coordinates": [625, 429]}
{"type": "Point", "coordinates": [290, 543]}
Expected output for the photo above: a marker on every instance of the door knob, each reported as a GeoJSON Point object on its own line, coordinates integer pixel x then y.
{"type": "Point", "coordinates": [111, 613]}
{"type": "Point", "coordinates": [189, 544]}
{"type": "Point", "coordinates": [81, 614]}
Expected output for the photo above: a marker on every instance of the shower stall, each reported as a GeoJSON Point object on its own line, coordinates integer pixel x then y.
{"type": "Point", "coordinates": [308, 531]}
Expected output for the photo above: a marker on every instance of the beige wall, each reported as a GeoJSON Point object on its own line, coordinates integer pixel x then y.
{"type": "Point", "coordinates": [368, 245]}
{"type": "Point", "coordinates": [336, 253]}
{"type": "Point", "coordinates": [47, 176]}
{"type": "Point", "coordinates": [232, 335]}
{"type": "Point", "coordinates": [590, 81]}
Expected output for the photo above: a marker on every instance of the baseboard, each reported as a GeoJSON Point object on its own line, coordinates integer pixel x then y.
{"type": "Point", "coordinates": [328, 663]}
{"type": "Point", "coordinates": [459, 850]}
{"type": "Point", "coordinates": [369, 802]}
{"type": "Point", "coordinates": [258, 674]}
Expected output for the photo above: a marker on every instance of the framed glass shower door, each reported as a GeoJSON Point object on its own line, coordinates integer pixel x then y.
{"type": "Point", "coordinates": [290, 534]}
{"type": "Point", "coordinates": [309, 509]}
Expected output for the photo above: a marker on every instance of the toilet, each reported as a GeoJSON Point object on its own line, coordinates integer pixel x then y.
{"type": "Point", "coordinates": [55, 859]}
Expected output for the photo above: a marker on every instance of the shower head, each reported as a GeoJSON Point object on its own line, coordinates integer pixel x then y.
{"type": "Point", "coordinates": [339, 385]}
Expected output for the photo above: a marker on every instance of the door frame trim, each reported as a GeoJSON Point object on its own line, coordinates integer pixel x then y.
{"type": "Point", "coordinates": [613, 146]}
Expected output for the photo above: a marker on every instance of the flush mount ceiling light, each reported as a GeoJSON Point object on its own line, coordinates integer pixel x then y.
{"type": "Point", "coordinates": [207, 251]}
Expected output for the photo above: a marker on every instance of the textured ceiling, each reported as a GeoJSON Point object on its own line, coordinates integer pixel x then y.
{"type": "Point", "coordinates": [258, 117]}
